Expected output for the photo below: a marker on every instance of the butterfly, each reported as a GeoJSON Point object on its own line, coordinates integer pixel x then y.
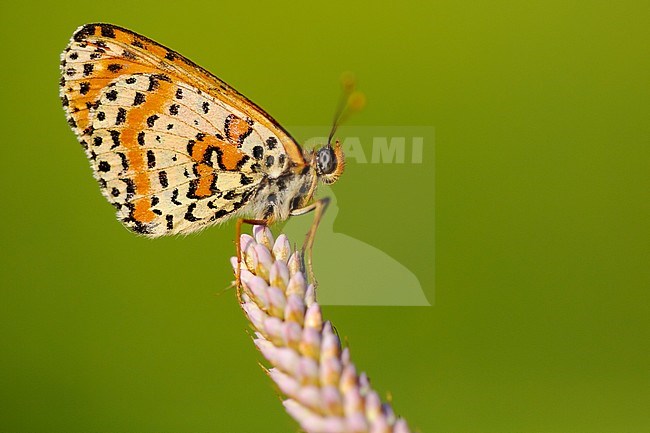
{"type": "Point", "coordinates": [174, 148]}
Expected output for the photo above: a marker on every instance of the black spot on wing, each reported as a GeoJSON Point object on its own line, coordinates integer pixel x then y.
{"type": "Point", "coordinates": [188, 215]}
{"type": "Point", "coordinates": [258, 152]}
{"type": "Point", "coordinates": [151, 120]}
{"type": "Point", "coordinates": [129, 55]}
{"type": "Point", "coordinates": [139, 98]}
{"type": "Point", "coordinates": [125, 162]}
{"type": "Point", "coordinates": [245, 180]}
{"type": "Point", "coordinates": [271, 142]}
{"type": "Point", "coordinates": [151, 159]}
{"type": "Point", "coordinates": [175, 198]}
{"type": "Point", "coordinates": [84, 32]}
{"type": "Point", "coordinates": [190, 146]}
{"type": "Point", "coordinates": [112, 95]}
{"type": "Point", "coordinates": [130, 187]}
{"type": "Point", "coordinates": [104, 166]}
{"type": "Point", "coordinates": [162, 178]}
{"type": "Point", "coordinates": [107, 31]}
{"type": "Point", "coordinates": [121, 116]}
{"type": "Point", "coordinates": [115, 136]}
{"type": "Point", "coordinates": [219, 214]}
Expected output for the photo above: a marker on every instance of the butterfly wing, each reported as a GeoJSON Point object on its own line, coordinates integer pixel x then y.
{"type": "Point", "coordinates": [174, 148]}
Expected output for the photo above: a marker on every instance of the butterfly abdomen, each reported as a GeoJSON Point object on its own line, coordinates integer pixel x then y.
{"type": "Point", "coordinates": [276, 198]}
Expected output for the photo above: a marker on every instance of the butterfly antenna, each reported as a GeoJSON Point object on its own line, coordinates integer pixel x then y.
{"type": "Point", "coordinates": [351, 101]}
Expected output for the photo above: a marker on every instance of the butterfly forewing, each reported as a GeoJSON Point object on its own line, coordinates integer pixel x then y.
{"type": "Point", "coordinates": [173, 147]}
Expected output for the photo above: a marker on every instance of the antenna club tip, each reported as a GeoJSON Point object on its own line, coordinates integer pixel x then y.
{"type": "Point", "coordinates": [357, 100]}
{"type": "Point", "coordinates": [348, 80]}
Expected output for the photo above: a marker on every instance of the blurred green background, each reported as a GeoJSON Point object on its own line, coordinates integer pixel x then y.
{"type": "Point", "coordinates": [536, 205]}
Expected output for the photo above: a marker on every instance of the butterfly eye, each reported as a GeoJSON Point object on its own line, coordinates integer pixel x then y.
{"type": "Point", "coordinates": [325, 160]}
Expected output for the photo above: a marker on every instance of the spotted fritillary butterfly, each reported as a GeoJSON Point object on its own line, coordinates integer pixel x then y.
{"type": "Point", "coordinates": [174, 148]}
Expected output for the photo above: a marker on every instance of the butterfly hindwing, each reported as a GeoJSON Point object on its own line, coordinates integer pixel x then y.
{"type": "Point", "coordinates": [174, 148]}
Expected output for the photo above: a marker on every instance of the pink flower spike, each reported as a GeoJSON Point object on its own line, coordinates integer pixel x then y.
{"type": "Point", "coordinates": [263, 236]}
{"type": "Point", "coordinates": [264, 261]}
{"type": "Point", "coordinates": [332, 400]}
{"type": "Point", "coordinates": [373, 406]}
{"type": "Point", "coordinates": [274, 329]}
{"type": "Point", "coordinates": [345, 356]}
{"type": "Point", "coordinates": [310, 295]}
{"type": "Point", "coordinates": [287, 360]}
{"type": "Point", "coordinates": [401, 426]}
{"type": "Point", "coordinates": [259, 289]}
{"type": "Point", "coordinates": [311, 343]}
{"type": "Point", "coordinates": [311, 422]}
{"type": "Point", "coordinates": [282, 248]}
{"type": "Point", "coordinates": [309, 396]}
{"type": "Point", "coordinates": [233, 263]}
{"type": "Point", "coordinates": [246, 276]}
{"type": "Point", "coordinates": [292, 334]}
{"type": "Point", "coordinates": [294, 263]}
{"type": "Point", "coordinates": [353, 403]}
{"type": "Point", "coordinates": [297, 285]}
{"type": "Point", "coordinates": [255, 315]}
{"type": "Point", "coordinates": [364, 383]}
{"type": "Point", "coordinates": [349, 379]}
{"type": "Point", "coordinates": [313, 317]}
{"type": "Point", "coordinates": [357, 423]}
{"type": "Point", "coordinates": [245, 241]}
{"type": "Point", "coordinates": [307, 371]}
{"type": "Point", "coordinates": [279, 275]}
{"type": "Point", "coordinates": [380, 425]}
{"type": "Point", "coordinates": [331, 345]}
{"type": "Point", "coordinates": [249, 257]}
{"type": "Point", "coordinates": [330, 372]}
{"type": "Point", "coordinates": [287, 384]}
{"type": "Point", "coordinates": [295, 310]}
{"type": "Point", "coordinates": [324, 392]}
{"type": "Point", "coordinates": [277, 302]}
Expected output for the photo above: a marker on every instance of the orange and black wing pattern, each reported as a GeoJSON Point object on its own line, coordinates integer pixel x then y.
{"type": "Point", "coordinates": [174, 148]}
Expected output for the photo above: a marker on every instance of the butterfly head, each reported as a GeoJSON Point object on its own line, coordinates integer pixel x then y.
{"type": "Point", "coordinates": [330, 162]}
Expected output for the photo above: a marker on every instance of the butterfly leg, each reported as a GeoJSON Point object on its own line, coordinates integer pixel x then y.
{"type": "Point", "coordinates": [241, 221]}
{"type": "Point", "coordinates": [318, 207]}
